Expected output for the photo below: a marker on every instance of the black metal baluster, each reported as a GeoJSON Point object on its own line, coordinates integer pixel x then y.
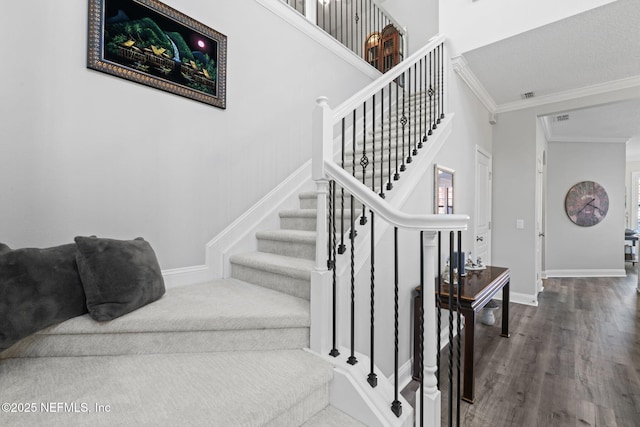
{"type": "Point", "coordinates": [415, 121]}
{"type": "Point", "coordinates": [332, 265]}
{"type": "Point", "coordinates": [352, 236]}
{"type": "Point", "coordinates": [458, 325]}
{"type": "Point", "coordinates": [396, 176]}
{"type": "Point", "coordinates": [409, 159]}
{"type": "Point", "coordinates": [372, 379]}
{"type": "Point", "coordinates": [439, 308]}
{"type": "Point", "coordinates": [342, 22]}
{"type": "Point", "coordinates": [335, 16]}
{"type": "Point", "coordinates": [419, 108]}
{"type": "Point", "coordinates": [389, 184]}
{"type": "Point", "coordinates": [396, 406]}
{"type": "Point", "coordinates": [373, 146]}
{"type": "Point", "coordinates": [381, 144]}
{"type": "Point", "coordinates": [421, 337]}
{"type": "Point", "coordinates": [431, 92]}
{"type": "Point", "coordinates": [424, 105]}
{"type": "Point", "coordinates": [436, 79]}
{"type": "Point", "coordinates": [342, 247]}
{"type": "Point", "coordinates": [442, 83]}
{"type": "Point", "coordinates": [436, 90]}
{"type": "Point", "coordinates": [404, 122]}
{"type": "Point", "coordinates": [364, 161]}
{"type": "Point", "coordinates": [451, 343]}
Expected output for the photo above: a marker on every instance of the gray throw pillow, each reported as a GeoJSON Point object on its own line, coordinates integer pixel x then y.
{"type": "Point", "coordinates": [118, 276]}
{"type": "Point", "coordinates": [38, 288]}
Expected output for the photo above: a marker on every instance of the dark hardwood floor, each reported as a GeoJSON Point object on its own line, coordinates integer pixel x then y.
{"type": "Point", "coordinates": [572, 361]}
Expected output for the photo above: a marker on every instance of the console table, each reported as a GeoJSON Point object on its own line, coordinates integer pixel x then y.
{"type": "Point", "coordinates": [478, 287]}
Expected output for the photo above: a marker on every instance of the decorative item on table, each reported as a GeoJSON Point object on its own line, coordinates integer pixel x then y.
{"type": "Point", "coordinates": [446, 274]}
{"type": "Point", "coordinates": [477, 265]}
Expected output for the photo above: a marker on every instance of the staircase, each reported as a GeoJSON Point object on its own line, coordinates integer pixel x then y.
{"type": "Point", "coordinates": [224, 353]}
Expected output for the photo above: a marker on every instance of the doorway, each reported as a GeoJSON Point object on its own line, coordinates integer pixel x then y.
{"type": "Point", "coordinates": [482, 239]}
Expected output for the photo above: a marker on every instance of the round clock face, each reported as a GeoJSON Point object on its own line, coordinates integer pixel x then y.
{"type": "Point", "coordinates": [587, 203]}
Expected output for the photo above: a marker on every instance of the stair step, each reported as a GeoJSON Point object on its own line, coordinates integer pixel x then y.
{"type": "Point", "coordinates": [293, 243]}
{"type": "Point", "coordinates": [305, 219]}
{"type": "Point", "coordinates": [280, 273]}
{"type": "Point", "coordinates": [222, 315]}
{"type": "Point", "coordinates": [241, 388]}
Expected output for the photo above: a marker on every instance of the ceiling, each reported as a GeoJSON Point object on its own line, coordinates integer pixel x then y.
{"type": "Point", "coordinates": [593, 48]}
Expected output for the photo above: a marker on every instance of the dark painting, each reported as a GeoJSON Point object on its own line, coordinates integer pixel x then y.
{"type": "Point", "coordinates": [151, 43]}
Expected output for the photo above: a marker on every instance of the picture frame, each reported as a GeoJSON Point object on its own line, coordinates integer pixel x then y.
{"type": "Point", "coordinates": [443, 191]}
{"type": "Point", "coordinates": [148, 42]}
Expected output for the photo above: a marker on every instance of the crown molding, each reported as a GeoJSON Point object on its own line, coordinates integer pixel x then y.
{"type": "Point", "coordinates": [548, 134]}
{"type": "Point", "coordinates": [460, 66]}
{"type": "Point", "coordinates": [589, 140]}
{"type": "Point", "coordinates": [627, 83]}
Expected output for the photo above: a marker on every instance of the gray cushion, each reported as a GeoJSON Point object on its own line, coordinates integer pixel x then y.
{"type": "Point", "coordinates": [118, 276]}
{"type": "Point", "coordinates": [38, 288]}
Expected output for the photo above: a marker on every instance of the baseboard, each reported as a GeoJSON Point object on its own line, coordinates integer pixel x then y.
{"type": "Point", "coordinates": [587, 273]}
{"type": "Point", "coordinates": [405, 375]}
{"type": "Point", "coordinates": [186, 276]}
{"type": "Point", "coordinates": [518, 298]}
{"type": "Point", "coordinates": [350, 392]}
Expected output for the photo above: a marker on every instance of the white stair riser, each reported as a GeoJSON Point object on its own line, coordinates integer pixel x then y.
{"type": "Point", "coordinates": [278, 282]}
{"type": "Point", "coordinates": [303, 250]}
{"type": "Point", "coordinates": [114, 344]}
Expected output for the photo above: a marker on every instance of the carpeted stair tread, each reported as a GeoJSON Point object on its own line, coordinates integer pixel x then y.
{"type": "Point", "coordinates": [332, 417]}
{"type": "Point", "coordinates": [283, 388]}
{"type": "Point", "coordinates": [297, 236]}
{"type": "Point", "coordinates": [223, 315]}
{"type": "Point", "coordinates": [297, 268]}
{"type": "Point", "coordinates": [221, 304]}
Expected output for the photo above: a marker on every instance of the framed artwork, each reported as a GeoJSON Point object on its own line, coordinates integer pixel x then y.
{"type": "Point", "coordinates": [443, 190]}
{"type": "Point", "coordinates": [148, 42]}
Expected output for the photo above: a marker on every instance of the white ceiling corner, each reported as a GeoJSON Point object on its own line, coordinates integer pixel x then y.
{"type": "Point", "coordinates": [461, 67]}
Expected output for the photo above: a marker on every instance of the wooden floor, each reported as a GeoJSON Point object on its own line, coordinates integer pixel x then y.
{"type": "Point", "coordinates": [572, 361]}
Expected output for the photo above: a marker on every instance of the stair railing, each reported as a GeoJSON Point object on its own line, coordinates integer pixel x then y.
{"type": "Point", "coordinates": [383, 126]}
{"type": "Point", "coordinates": [357, 24]}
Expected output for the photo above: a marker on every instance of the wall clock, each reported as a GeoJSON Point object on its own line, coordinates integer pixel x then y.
{"type": "Point", "coordinates": [587, 203]}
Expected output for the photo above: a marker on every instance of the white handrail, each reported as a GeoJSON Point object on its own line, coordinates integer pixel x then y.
{"type": "Point", "coordinates": [360, 97]}
{"type": "Point", "coordinates": [424, 222]}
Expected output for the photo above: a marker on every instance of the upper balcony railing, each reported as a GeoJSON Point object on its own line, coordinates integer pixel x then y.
{"type": "Point", "coordinates": [363, 26]}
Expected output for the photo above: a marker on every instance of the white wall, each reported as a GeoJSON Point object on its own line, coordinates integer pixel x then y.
{"type": "Point", "coordinates": [585, 251]}
{"type": "Point", "coordinates": [514, 166]}
{"type": "Point", "coordinates": [472, 24]}
{"type": "Point", "coordinates": [87, 153]}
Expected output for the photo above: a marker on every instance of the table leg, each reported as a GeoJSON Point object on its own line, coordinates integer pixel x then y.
{"type": "Point", "coordinates": [505, 310]}
{"type": "Point", "coordinates": [469, 338]}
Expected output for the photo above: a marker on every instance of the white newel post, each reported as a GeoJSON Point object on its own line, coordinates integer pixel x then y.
{"type": "Point", "coordinates": [431, 392]}
{"type": "Point", "coordinates": [321, 289]}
